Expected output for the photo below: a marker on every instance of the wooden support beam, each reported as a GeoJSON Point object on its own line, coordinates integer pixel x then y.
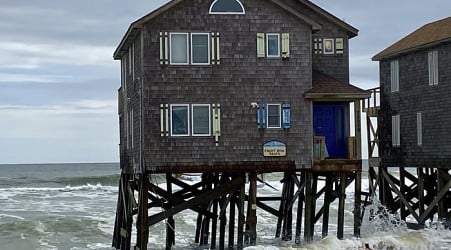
{"type": "Point", "coordinates": [308, 234]}
{"type": "Point", "coordinates": [233, 202]}
{"type": "Point", "coordinates": [341, 205]}
{"type": "Point", "coordinates": [357, 203]}
{"type": "Point", "coordinates": [400, 195]}
{"type": "Point", "coordinates": [214, 223]}
{"type": "Point", "coordinates": [301, 200]}
{"type": "Point", "coordinates": [142, 235]}
{"type": "Point", "coordinates": [198, 200]}
{"type": "Point", "coordinates": [402, 189]}
{"type": "Point", "coordinates": [281, 207]}
{"type": "Point", "coordinates": [420, 174]}
{"type": "Point", "coordinates": [287, 233]}
{"type": "Point", "coordinates": [251, 220]}
{"type": "Point", "coordinates": [327, 201]}
{"type": "Point", "coordinates": [441, 210]}
{"type": "Point", "coordinates": [241, 217]}
{"type": "Point", "coordinates": [444, 189]}
{"type": "Point", "coordinates": [170, 224]}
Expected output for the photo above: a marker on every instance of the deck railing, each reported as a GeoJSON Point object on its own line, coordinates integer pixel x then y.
{"type": "Point", "coordinates": [372, 102]}
{"type": "Point", "coordinates": [320, 150]}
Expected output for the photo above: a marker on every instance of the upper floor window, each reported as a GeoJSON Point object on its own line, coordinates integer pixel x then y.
{"type": "Point", "coordinates": [200, 48]}
{"type": "Point", "coordinates": [226, 7]}
{"type": "Point", "coordinates": [394, 75]}
{"type": "Point", "coordinates": [272, 45]}
{"type": "Point", "coordinates": [433, 67]}
{"type": "Point", "coordinates": [189, 48]}
{"type": "Point", "coordinates": [179, 48]}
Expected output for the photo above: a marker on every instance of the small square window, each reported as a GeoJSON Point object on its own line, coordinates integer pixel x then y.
{"type": "Point", "coordinates": [200, 49]}
{"type": "Point", "coordinates": [272, 45]}
{"type": "Point", "coordinates": [329, 46]}
{"type": "Point", "coordinates": [179, 120]}
{"type": "Point", "coordinates": [200, 120]}
{"type": "Point", "coordinates": [179, 48]}
{"type": "Point", "coordinates": [273, 114]}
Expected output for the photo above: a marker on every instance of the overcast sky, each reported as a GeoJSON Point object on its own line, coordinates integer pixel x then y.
{"type": "Point", "coordinates": [58, 81]}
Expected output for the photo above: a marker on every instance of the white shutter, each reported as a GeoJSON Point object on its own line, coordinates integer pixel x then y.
{"type": "Point", "coordinates": [260, 45]}
{"type": "Point", "coordinates": [419, 129]}
{"type": "Point", "coordinates": [396, 137]}
{"type": "Point", "coordinates": [285, 45]}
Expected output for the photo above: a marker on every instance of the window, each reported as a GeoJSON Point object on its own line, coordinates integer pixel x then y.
{"type": "Point", "coordinates": [179, 48]}
{"type": "Point", "coordinates": [200, 48]}
{"type": "Point", "coordinates": [272, 45]}
{"type": "Point", "coordinates": [226, 7]}
{"type": "Point", "coordinates": [433, 67]}
{"type": "Point", "coordinates": [200, 119]}
{"type": "Point", "coordinates": [394, 75]}
{"type": "Point", "coordinates": [179, 120]}
{"type": "Point", "coordinates": [193, 49]}
{"type": "Point", "coordinates": [395, 131]}
{"type": "Point", "coordinates": [190, 120]}
{"type": "Point", "coordinates": [328, 46]}
{"type": "Point", "coordinates": [419, 129]}
{"type": "Point", "coordinates": [273, 116]}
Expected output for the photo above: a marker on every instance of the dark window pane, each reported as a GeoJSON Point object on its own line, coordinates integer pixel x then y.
{"type": "Point", "coordinates": [179, 120]}
{"type": "Point", "coordinates": [273, 45]}
{"type": "Point", "coordinates": [201, 120]}
{"type": "Point", "coordinates": [199, 48]}
{"type": "Point", "coordinates": [224, 6]}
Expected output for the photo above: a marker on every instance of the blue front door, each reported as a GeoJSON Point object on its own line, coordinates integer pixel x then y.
{"type": "Point", "coordinates": [329, 121]}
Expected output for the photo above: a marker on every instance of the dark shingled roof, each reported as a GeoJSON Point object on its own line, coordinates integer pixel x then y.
{"type": "Point", "coordinates": [426, 36]}
{"type": "Point", "coordinates": [327, 87]}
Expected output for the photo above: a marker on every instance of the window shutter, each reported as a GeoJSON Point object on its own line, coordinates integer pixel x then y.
{"type": "Point", "coordinates": [215, 56]}
{"type": "Point", "coordinates": [285, 45]}
{"type": "Point", "coordinates": [166, 117]}
{"type": "Point", "coordinates": [162, 123]}
{"type": "Point", "coordinates": [164, 47]}
{"type": "Point", "coordinates": [262, 115]}
{"type": "Point", "coordinates": [216, 122]}
{"type": "Point", "coordinates": [260, 45]}
{"type": "Point", "coordinates": [419, 129]}
{"type": "Point", "coordinates": [258, 115]}
{"type": "Point", "coordinates": [318, 45]}
{"type": "Point", "coordinates": [286, 115]}
{"type": "Point", "coordinates": [339, 45]}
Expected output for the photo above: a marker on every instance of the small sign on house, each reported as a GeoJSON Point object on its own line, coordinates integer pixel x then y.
{"type": "Point", "coordinates": [274, 149]}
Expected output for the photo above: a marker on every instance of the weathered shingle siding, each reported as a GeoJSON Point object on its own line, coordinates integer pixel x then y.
{"type": "Point", "coordinates": [415, 95]}
{"type": "Point", "coordinates": [240, 79]}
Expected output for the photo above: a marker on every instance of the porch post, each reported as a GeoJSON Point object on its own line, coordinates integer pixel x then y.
{"type": "Point", "coordinates": [358, 129]}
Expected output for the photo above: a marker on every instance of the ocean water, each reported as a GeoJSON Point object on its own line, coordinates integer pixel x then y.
{"type": "Point", "coordinates": [72, 206]}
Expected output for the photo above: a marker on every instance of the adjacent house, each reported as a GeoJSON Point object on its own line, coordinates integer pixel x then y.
{"type": "Point", "coordinates": [415, 82]}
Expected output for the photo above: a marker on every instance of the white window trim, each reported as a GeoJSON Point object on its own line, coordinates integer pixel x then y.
{"type": "Point", "coordinates": [396, 132]}
{"type": "Point", "coordinates": [433, 67]}
{"type": "Point", "coordinates": [267, 115]}
{"type": "Point", "coordinates": [192, 119]}
{"type": "Point", "coordinates": [278, 45]}
{"type": "Point", "coordinates": [394, 76]}
{"type": "Point", "coordinates": [191, 46]}
{"type": "Point", "coordinates": [419, 129]}
{"type": "Point", "coordinates": [187, 48]}
{"type": "Point", "coordinates": [188, 113]}
{"type": "Point", "coordinates": [332, 43]}
{"type": "Point", "coordinates": [226, 13]}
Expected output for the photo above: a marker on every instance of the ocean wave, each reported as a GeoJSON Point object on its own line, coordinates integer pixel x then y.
{"type": "Point", "coordinates": [109, 180]}
{"type": "Point", "coordinates": [68, 188]}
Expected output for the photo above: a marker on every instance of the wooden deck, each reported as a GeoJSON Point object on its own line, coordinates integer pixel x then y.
{"type": "Point", "coordinates": [229, 167]}
{"type": "Point", "coordinates": [337, 165]}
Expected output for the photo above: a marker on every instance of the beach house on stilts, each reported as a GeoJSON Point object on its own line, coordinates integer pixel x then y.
{"type": "Point", "coordinates": [409, 123]}
{"type": "Point", "coordinates": [231, 89]}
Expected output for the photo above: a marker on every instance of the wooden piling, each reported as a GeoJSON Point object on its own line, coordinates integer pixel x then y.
{"type": "Point", "coordinates": [301, 200]}
{"type": "Point", "coordinates": [327, 201]}
{"type": "Point", "coordinates": [241, 217]}
{"type": "Point", "coordinates": [341, 205]}
{"type": "Point", "coordinates": [358, 217]}
{"type": "Point", "coordinates": [308, 233]}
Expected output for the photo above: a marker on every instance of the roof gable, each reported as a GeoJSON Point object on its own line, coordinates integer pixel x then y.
{"type": "Point", "coordinates": [426, 36]}
{"type": "Point", "coordinates": [135, 28]}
